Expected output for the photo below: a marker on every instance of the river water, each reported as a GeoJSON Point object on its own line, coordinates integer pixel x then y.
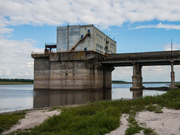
{"type": "Point", "coordinates": [20, 97]}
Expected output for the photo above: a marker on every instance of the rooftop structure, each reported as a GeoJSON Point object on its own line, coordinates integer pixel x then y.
{"type": "Point", "coordinates": [84, 38]}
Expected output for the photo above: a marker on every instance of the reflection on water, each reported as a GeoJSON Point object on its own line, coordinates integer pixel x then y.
{"type": "Point", "coordinates": [19, 97]}
{"type": "Point", "coordinates": [60, 98]}
{"type": "Point", "coordinates": [137, 93]}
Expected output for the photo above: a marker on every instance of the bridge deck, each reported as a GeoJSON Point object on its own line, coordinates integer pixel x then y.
{"type": "Point", "coordinates": [145, 58]}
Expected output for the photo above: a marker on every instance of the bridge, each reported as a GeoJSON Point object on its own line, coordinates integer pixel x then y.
{"type": "Point", "coordinates": [91, 70]}
{"type": "Point", "coordinates": [137, 60]}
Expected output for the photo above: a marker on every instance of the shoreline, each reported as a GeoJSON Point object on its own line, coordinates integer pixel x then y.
{"type": "Point", "coordinates": [14, 83]}
{"type": "Point", "coordinates": [41, 108]}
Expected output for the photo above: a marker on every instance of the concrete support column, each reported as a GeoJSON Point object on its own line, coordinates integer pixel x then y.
{"type": "Point", "coordinates": [137, 77]}
{"type": "Point", "coordinates": [172, 86]}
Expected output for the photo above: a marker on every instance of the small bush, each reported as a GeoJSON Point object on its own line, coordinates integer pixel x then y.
{"type": "Point", "coordinates": [149, 131]}
{"type": "Point", "coordinates": [151, 108]}
{"type": "Point", "coordinates": [158, 109]}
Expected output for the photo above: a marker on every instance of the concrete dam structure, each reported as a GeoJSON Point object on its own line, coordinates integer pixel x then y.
{"type": "Point", "coordinates": [70, 71]}
{"type": "Point", "coordinates": [89, 70]}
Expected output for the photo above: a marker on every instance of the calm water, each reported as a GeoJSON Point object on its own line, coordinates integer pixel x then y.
{"type": "Point", "coordinates": [19, 97]}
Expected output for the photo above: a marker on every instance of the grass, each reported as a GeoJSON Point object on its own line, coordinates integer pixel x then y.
{"type": "Point", "coordinates": [7, 120]}
{"type": "Point", "coordinates": [154, 108]}
{"type": "Point", "coordinates": [134, 127]}
{"type": "Point", "coordinates": [104, 116]}
{"type": "Point", "coordinates": [14, 83]}
{"type": "Point", "coordinates": [178, 85]}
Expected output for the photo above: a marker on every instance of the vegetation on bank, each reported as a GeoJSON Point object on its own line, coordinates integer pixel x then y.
{"type": "Point", "coordinates": [102, 117]}
{"type": "Point", "coordinates": [7, 120]}
{"type": "Point", "coordinates": [14, 83]}
{"type": "Point", "coordinates": [5, 81]}
{"type": "Point", "coordinates": [119, 82]}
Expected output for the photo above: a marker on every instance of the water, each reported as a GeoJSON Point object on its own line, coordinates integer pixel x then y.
{"type": "Point", "coordinates": [20, 97]}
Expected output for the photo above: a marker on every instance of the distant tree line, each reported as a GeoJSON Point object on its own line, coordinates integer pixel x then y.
{"type": "Point", "coordinates": [116, 81]}
{"type": "Point", "coordinates": [16, 80]}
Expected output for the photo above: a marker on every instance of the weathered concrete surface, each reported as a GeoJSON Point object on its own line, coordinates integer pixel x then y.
{"type": "Point", "coordinates": [71, 71]}
{"type": "Point", "coordinates": [137, 77]}
{"type": "Point", "coordinates": [172, 86]}
{"type": "Point", "coordinates": [41, 73]}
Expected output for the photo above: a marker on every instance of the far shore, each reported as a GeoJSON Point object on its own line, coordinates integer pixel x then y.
{"type": "Point", "coordinates": [15, 83]}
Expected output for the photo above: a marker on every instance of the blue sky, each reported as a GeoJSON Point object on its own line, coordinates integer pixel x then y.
{"type": "Point", "coordinates": [137, 26]}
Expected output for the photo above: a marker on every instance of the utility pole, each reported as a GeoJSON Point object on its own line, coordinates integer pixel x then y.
{"type": "Point", "coordinates": [171, 49]}
{"type": "Point", "coordinates": [172, 86]}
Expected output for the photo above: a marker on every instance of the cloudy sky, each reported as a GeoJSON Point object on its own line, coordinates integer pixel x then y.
{"type": "Point", "coordinates": [136, 25]}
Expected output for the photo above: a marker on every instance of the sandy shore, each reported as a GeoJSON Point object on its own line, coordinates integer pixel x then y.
{"type": "Point", "coordinates": [166, 123]}
{"type": "Point", "coordinates": [32, 119]}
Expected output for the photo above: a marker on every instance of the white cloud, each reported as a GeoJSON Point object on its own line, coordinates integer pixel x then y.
{"type": "Point", "coordinates": [122, 73]}
{"type": "Point", "coordinates": [16, 61]}
{"type": "Point", "coordinates": [174, 47]}
{"type": "Point", "coordinates": [149, 73]}
{"type": "Point", "coordinates": [160, 25]}
{"type": "Point", "coordinates": [103, 12]}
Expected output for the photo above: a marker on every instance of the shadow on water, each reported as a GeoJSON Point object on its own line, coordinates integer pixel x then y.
{"type": "Point", "coordinates": [61, 98]}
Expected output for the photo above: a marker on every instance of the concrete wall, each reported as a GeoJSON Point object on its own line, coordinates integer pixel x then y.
{"type": "Point", "coordinates": [71, 71]}
{"type": "Point", "coordinates": [99, 43]}
{"type": "Point", "coordinates": [67, 37]}
{"type": "Point", "coordinates": [41, 73]}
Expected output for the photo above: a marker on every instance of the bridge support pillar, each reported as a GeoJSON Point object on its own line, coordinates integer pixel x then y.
{"type": "Point", "coordinates": [137, 77]}
{"type": "Point", "coordinates": [172, 86]}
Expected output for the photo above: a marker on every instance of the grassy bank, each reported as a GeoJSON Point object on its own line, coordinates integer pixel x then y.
{"type": "Point", "coordinates": [102, 117]}
{"type": "Point", "coordinates": [6, 81]}
{"type": "Point", "coordinates": [7, 120]}
{"type": "Point", "coordinates": [14, 83]}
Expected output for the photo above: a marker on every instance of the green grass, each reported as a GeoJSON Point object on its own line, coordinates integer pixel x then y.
{"type": "Point", "coordinates": [178, 85]}
{"type": "Point", "coordinates": [14, 83]}
{"type": "Point", "coordinates": [7, 120]}
{"type": "Point", "coordinates": [134, 127]}
{"type": "Point", "coordinates": [104, 116]}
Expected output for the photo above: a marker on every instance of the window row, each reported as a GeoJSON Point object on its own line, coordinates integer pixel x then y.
{"type": "Point", "coordinates": [99, 46]}
{"type": "Point", "coordinates": [101, 37]}
{"type": "Point", "coordinates": [113, 44]}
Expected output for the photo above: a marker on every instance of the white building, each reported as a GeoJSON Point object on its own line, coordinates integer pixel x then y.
{"type": "Point", "coordinates": [84, 37]}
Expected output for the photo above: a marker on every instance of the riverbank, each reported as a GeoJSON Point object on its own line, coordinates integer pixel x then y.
{"type": "Point", "coordinates": [105, 116]}
{"type": "Point", "coordinates": [15, 83]}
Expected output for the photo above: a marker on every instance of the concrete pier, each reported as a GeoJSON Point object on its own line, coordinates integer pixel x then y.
{"type": "Point", "coordinates": [172, 86]}
{"type": "Point", "coordinates": [70, 71]}
{"type": "Point", "coordinates": [137, 77]}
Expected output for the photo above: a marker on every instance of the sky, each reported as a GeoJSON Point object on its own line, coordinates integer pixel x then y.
{"type": "Point", "coordinates": [136, 26]}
